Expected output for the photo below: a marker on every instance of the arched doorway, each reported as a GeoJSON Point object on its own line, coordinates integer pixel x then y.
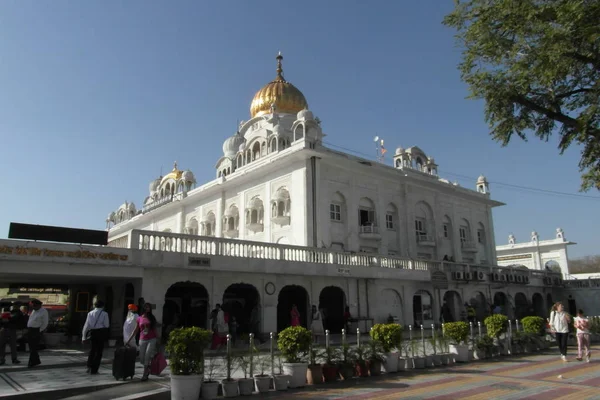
{"type": "Point", "coordinates": [239, 300]}
{"type": "Point", "coordinates": [452, 307]}
{"type": "Point", "coordinates": [422, 308]}
{"type": "Point", "coordinates": [480, 304]}
{"type": "Point", "coordinates": [501, 301]}
{"type": "Point", "coordinates": [391, 304]}
{"type": "Point", "coordinates": [521, 306]}
{"type": "Point", "coordinates": [549, 303]}
{"type": "Point", "coordinates": [129, 297]}
{"type": "Point", "coordinates": [186, 304]}
{"type": "Point", "coordinates": [288, 296]}
{"type": "Point", "coordinates": [538, 305]}
{"type": "Point", "coordinates": [332, 302]}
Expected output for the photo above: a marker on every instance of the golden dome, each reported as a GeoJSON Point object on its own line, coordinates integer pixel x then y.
{"type": "Point", "coordinates": [175, 174]}
{"type": "Point", "coordinates": [285, 96]}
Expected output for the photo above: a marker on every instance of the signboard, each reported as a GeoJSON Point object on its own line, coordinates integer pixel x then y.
{"type": "Point", "coordinates": [82, 254]}
{"type": "Point", "coordinates": [439, 280]}
{"type": "Point", "coordinates": [517, 257]}
{"type": "Point", "coordinates": [199, 262]}
{"type": "Point", "coordinates": [39, 289]}
{"type": "Point", "coordinates": [343, 271]}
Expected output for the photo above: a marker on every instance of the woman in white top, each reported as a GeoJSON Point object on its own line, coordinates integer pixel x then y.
{"type": "Point", "coordinates": [316, 325]}
{"type": "Point", "coordinates": [130, 322]}
{"type": "Point", "coordinates": [559, 324]}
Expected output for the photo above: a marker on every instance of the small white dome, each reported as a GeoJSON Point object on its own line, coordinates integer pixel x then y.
{"type": "Point", "coordinates": [305, 115]}
{"type": "Point", "coordinates": [131, 207]}
{"type": "Point", "coordinates": [232, 144]}
{"type": "Point", "coordinates": [188, 176]}
{"type": "Point", "coordinates": [154, 185]}
{"type": "Point", "coordinates": [431, 160]}
{"type": "Point", "coordinates": [242, 147]}
{"type": "Point", "coordinates": [481, 179]}
{"type": "Point", "coordinates": [399, 150]}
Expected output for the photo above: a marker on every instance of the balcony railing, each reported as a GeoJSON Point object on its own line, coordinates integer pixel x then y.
{"type": "Point", "coordinates": [157, 203]}
{"type": "Point", "coordinates": [213, 246]}
{"type": "Point", "coordinates": [468, 245]}
{"type": "Point", "coordinates": [369, 229]}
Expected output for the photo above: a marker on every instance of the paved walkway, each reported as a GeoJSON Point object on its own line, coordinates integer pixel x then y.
{"type": "Point", "coordinates": [535, 376]}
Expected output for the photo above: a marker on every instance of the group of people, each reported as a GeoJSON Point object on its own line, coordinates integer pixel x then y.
{"type": "Point", "coordinates": [316, 325]}
{"type": "Point", "coordinates": [559, 322]}
{"type": "Point", "coordinates": [17, 319]}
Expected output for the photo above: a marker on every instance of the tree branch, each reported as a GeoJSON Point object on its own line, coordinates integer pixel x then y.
{"type": "Point", "coordinates": [572, 92]}
{"type": "Point", "coordinates": [584, 59]}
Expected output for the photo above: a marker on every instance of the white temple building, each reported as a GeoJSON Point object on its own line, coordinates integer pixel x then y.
{"type": "Point", "coordinates": [537, 254]}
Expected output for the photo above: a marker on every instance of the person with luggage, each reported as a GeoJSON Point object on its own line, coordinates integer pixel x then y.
{"type": "Point", "coordinates": [95, 330]}
{"type": "Point", "coordinates": [148, 338]}
{"type": "Point", "coordinates": [36, 324]}
{"type": "Point", "coordinates": [130, 322]}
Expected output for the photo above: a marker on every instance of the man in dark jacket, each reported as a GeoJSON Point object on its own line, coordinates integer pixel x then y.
{"type": "Point", "coordinates": [8, 334]}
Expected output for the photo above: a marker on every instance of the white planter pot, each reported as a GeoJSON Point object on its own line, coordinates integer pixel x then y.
{"type": "Point", "coordinates": [390, 364]}
{"type": "Point", "coordinates": [246, 386]}
{"type": "Point", "coordinates": [262, 383]}
{"type": "Point", "coordinates": [297, 373]}
{"type": "Point", "coordinates": [460, 352]}
{"type": "Point", "coordinates": [444, 358]}
{"type": "Point", "coordinates": [230, 388]}
{"type": "Point", "coordinates": [210, 390]}
{"type": "Point", "coordinates": [281, 382]}
{"type": "Point", "coordinates": [401, 364]}
{"type": "Point", "coordinates": [419, 362]}
{"type": "Point", "coordinates": [185, 387]}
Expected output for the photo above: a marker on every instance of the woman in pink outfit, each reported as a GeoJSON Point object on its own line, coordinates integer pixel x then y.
{"type": "Point", "coordinates": [583, 336]}
{"type": "Point", "coordinates": [146, 326]}
{"type": "Point", "coordinates": [295, 316]}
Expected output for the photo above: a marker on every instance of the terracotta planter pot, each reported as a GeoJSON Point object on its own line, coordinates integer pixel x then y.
{"type": "Point", "coordinates": [362, 369]}
{"type": "Point", "coordinates": [375, 368]}
{"type": "Point", "coordinates": [314, 374]}
{"type": "Point", "coordinates": [330, 372]}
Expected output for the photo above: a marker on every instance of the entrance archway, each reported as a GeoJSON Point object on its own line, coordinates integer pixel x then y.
{"type": "Point", "coordinates": [500, 300]}
{"type": "Point", "coordinates": [480, 304]}
{"type": "Point", "coordinates": [391, 304]}
{"type": "Point", "coordinates": [452, 307]}
{"type": "Point", "coordinates": [422, 308]}
{"type": "Point", "coordinates": [538, 305]}
{"type": "Point", "coordinates": [288, 296]}
{"type": "Point", "coordinates": [239, 300]}
{"type": "Point", "coordinates": [521, 306]}
{"type": "Point", "coordinates": [186, 304]}
{"type": "Point", "coordinates": [332, 302]}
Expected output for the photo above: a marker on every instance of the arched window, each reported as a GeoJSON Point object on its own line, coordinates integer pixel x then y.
{"type": "Point", "coordinates": [255, 214]}
{"type": "Point", "coordinates": [208, 224]}
{"type": "Point", "coordinates": [231, 220]}
{"type": "Point", "coordinates": [256, 151]}
{"type": "Point", "coordinates": [281, 207]}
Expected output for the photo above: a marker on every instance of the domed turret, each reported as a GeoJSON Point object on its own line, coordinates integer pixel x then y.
{"type": "Point", "coordinates": [232, 144]}
{"type": "Point", "coordinates": [278, 94]}
{"type": "Point", "coordinates": [188, 176]}
{"type": "Point", "coordinates": [154, 185]}
{"type": "Point", "coordinates": [399, 150]}
{"type": "Point", "coordinates": [305, 115]}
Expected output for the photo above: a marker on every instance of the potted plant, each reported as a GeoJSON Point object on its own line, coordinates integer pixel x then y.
{"type": "Point", "coordinates": [496, 325]}
{"type": "Point", "coordinates": [262, 380]}
{"type": "Point", "coordinates": [436, 359]}
{"type": "Point", "coordinates": [314, 373]}
{"type": "Point", "coordinates": [517, 342]}
{"type": "Point", "coordinates": [246, 384]}
{"type": "Point", "coordinates": [210, 387]}
{"type": "Point", "coordinates": [418, 361]}
{"type": "Point", "coordinates": [360, 361]}
{"type": "Point", "coordinates": [330, 367]}
{"type": "Point", "coordinates": [229, 385]}
{"type": "Point", "coordinates": [458, 332]}
{"type": "Point", "coordinates": [346, 362]}
{"type": "Point", "coordinates": [405, 362]}
{"type": "Point", "coordinates": [280, 380]}
{"type": "Point", "coordinates": [376, 357]}
{"type": "Point", "coordinates": [534, 327]}
{"type": "Point", "coordinates": [389, 336]}
{"type": "Point", "coordinates": [483, 347]}
{"type": "Point", "coordinates": [294, 344]}
{"type": "Point", "coordinates": [186, 353]}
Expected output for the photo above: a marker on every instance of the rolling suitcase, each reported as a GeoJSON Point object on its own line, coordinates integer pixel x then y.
{"type": "Point", "coordinates": [124, 363]}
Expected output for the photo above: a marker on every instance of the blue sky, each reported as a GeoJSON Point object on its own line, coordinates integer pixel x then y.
{"type": "Point", "coordinates": [97, 96]}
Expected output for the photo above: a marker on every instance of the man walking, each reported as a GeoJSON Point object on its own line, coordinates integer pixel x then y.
{"type": "Point", "coordinates": [8, 334]}
{"type": "Point", "coordinates": [95, 330]}
{"type": "Point", "coordinates": [37, 323]}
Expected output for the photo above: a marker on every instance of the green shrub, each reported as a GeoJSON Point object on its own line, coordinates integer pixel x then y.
{"type": "Point", "coordinates": [484, 344]}
{"type": "Point", "coordinates": [496, 325]}
{"type": "Point", "coordinates": [186, 350]}
{"type": "Point", "coordinates": [458, 332]}
{"type": "Point", "coordinates": [534, 325]}
{"type": "Point", "coordinates": [294, 343]}
{"type": "Point", "coordinates": [389, 336]}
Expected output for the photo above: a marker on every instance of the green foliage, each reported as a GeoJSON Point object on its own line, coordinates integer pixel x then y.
{"type": "Point", "coordinates": [388, 335]}
{"type": "Point", "coordinates": [186, 350]}
{"type": "Point", "coordinates": [331, 355]}
{"type": "Point", "coordinates": [294, 343]}
{"type": "Point", "coordinates": [375, 351]}
{"type": "Point", "coordinates": [496, 325]}
{"type": "Point", "coordinates": [536, 64]}
{"type": "Point", "coordinates": [346, 356]}
{"type": "Point", "coordinates": [484, 344]}
{"type": "Point", "coordinates": [457, 332]}
{"type": "Point", "coordinates": [534, 325]}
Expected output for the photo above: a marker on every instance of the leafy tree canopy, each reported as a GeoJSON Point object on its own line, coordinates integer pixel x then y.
{"type": "Point", "coordinates": [536, 64]}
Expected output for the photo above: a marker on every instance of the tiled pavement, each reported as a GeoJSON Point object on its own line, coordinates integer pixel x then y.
{"type": "Point", "coordinates": [521, 377]}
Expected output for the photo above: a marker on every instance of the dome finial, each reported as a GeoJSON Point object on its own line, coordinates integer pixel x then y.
{"type": "Point", "coordinates": [175, 166]}
{"type": "Point", "coordinates": [279, 68]}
